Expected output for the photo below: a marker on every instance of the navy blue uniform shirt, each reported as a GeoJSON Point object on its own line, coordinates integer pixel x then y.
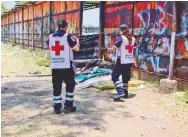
{"type": "Point", "coordinates": [60, 33]}
{"type": "Point", "coordinates": [118, 42]}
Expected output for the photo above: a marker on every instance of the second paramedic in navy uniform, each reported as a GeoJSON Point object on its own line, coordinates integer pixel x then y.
{"type": "Point", "coordinates": [123, 46]}
{"type": "Point", "coordinates": [61, 47]}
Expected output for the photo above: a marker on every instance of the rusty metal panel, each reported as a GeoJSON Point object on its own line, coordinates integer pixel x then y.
{"type": "Point", "coordinates": [20, 15]}
{"type": "Point", "coordinates": [111, 2]}
{"type": "Point", "coordinates": [117, 15]}
{"type": "Point", "coordinates": [46, 30]}
{"type": "Point", "coordinates": [11, 32]}
{"type": "Point", "coordinates": [182, 48]}
{"type": "Point", "coordinates": [182, 58]}
{"type": "Point", "coordinates": [73, 18]}
{"type": "Point", "coordinates": [38, 25]}
{"type": "Point", "coordinates": [11, 18]}
{"type": "Point", "coordinates": [37, 32]}
{"type": "Point", "coordinates": [58, 7]}
{"type": "Point", "coordinates": [30, 32]}
{"type": "Point", "coordinates": [46, 8]}
{"type": "Point", "coordinates": [16, 16]}
{"type": "Point", "coordinates": [18, 28]}
{"type": "Point", "coordinates": [72, 5]}
{"type": "Point", "coordinates": [25, 12]}
{"type": "Point", "coordinates": [37, 10]}
{"type": "Point", "coordinates": [181, 70]}
{"type": "Point", "coordinates": [25, 32]}
{"type": "Point", "coordinates": [30, 9]}
{"type": "Point", "coordinates": [72, 15]}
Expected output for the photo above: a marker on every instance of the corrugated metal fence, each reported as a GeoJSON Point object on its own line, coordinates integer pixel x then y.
{"type": "Point", "coordinates": [31, 23]}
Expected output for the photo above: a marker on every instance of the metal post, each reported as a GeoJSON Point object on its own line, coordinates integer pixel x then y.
{"type": "Point", "coordinates": [28, 28]}
{"type": "Point", "coordinates": [173, 41]}
{"type": "Point", "coordinates": [14, 41]}
{"type": "Point", "coordinates": [101, 28]}
{"type": "Point", "coordinates": [133, 19]}
{"type": "Point", "coordinates": [8, 28]}
{"type": "Point", "coordinates": [42, 26]}
{"type": "Point", "coordinates": [22, 28]}
{"type": "Point", "coordinates": [50, 16]}
{"type": "Point", "coordinates": [33, 27]}
{"type": "Point", "coordinates": [81, 16]}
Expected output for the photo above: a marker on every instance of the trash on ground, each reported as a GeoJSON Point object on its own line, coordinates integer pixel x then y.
{"type": "Point", "coordinates": [159, 116]}
{"type": "Point", "coordinates": [180, 94]}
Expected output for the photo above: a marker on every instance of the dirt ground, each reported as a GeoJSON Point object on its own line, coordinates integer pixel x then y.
{"type": "Point", "coordinates": [27, 110]}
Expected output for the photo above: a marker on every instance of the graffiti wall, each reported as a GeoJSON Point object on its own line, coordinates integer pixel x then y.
{"type": "Point", "coordinates": [153, 17]}
{"type": "Point", "coordinates": [152, 27]}
{"type": "Point", "coordinates": [183, 7]}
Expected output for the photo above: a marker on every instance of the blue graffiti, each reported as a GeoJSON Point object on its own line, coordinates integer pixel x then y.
{"type": "Point", "coordinates": [154, 18]}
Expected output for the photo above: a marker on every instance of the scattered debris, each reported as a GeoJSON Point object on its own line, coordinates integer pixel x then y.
{"type": "Point", "coordinates": [142, 86]}
{"type": "Point", "coordinates": [145, 117]}
{"type": "Point", "coordinates": [36, 72]}
{"type": "Point", "coordinates": [96, 128]}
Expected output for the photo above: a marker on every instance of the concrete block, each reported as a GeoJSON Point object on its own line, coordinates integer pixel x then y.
{"type": "Point", "coordinates": [168, 86]}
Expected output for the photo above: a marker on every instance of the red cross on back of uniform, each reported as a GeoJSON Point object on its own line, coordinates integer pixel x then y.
{"type": "Point", "coordinates": [129, 48]}
{"type": "Point", "coordinates": [57, 48]}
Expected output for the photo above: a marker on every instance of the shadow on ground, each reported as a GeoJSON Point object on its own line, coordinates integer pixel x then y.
{"type": "Point", "coordinates": [27, 110]}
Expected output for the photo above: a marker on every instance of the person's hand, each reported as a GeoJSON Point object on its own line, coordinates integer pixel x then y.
{"type": "Point", "coordinates": [77, 40]}
{"type": "Point", "coordinates": [74, 38]}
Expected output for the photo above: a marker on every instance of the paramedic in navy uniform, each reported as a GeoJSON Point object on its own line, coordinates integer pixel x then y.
{"type": "Point", "coordinates": [124, 46]}
{"type": "Point", "coordinates": [61, 45]}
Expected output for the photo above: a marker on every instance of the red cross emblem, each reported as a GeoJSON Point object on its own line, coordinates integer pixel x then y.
{"type": "Point", "coordinates": [57, 48]}
{"type": "Point", "coordinates": [129, 48]}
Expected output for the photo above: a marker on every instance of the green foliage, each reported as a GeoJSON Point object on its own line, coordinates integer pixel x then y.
{"type": "Point", "coordinates": [43, 62]}
{"type": "Point", "coordinates": [3, 8]}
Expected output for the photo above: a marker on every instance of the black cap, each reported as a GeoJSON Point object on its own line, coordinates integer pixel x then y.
{"type": "Point", "coordinates": [123, 27]}
{"type": "Point", "coordinates": [62, 23]}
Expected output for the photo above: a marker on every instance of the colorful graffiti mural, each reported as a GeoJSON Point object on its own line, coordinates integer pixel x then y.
{"type": "Point", "coordinates": [156, 15]}
{"type": "Point", "coordinates": [152, 29]}
{"type": "Point", "coordinates": [184, 18]}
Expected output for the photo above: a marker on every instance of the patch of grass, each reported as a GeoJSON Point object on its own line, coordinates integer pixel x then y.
{"type": "Point", "coordinates": [28, 61]}
{"type": "Point", "coordinates": [43, 62]}
{"type": "Point", "coordinates": [152, 84]}
{"type": "Point", "coordinates": [103, 85]}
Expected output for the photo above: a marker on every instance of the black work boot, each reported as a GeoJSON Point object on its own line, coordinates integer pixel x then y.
{"type": "Point", "coordinates": [57, 111]}
{"type": "Point", "coordinates": [68, 109]}
{"type": "Point", "coordinates": [120, 93]}
{"type": "Point", "coordinates": [57, 108]}
{"type": "Point", "coordinates": [126, 94]}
